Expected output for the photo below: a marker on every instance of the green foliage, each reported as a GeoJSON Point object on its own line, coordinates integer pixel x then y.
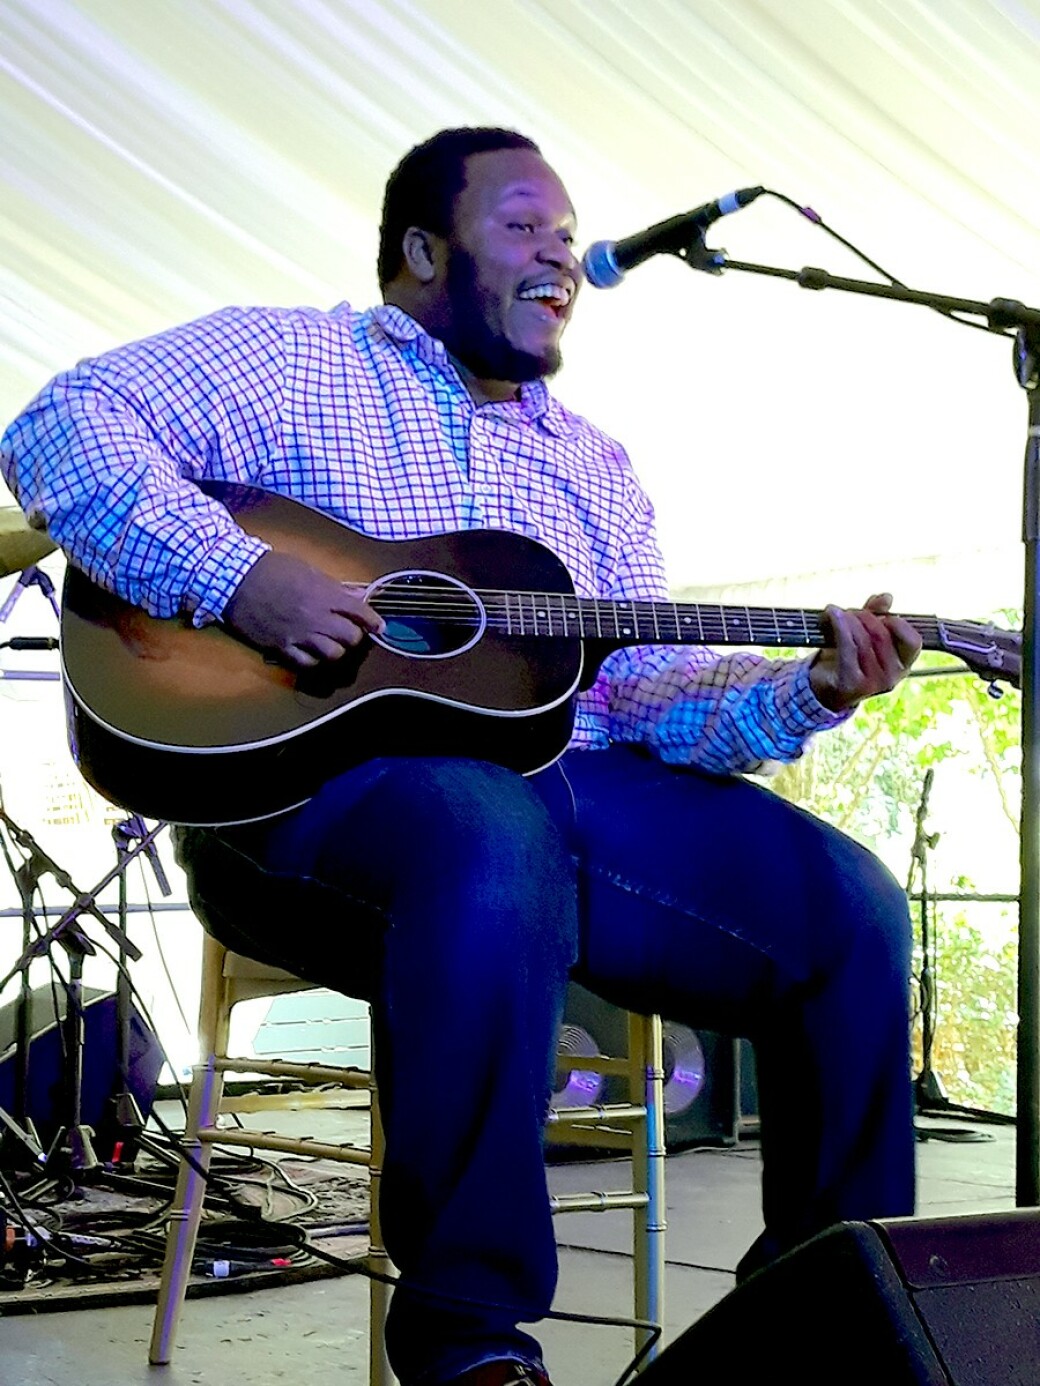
{"type": "Point", "coordinates": [975, 1014]}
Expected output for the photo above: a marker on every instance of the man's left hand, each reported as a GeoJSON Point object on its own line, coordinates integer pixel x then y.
{"type": "Point", "coordinates": [872, 651]}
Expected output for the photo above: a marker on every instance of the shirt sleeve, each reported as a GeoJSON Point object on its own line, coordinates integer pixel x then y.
{"type": "Point", "coordinates": [106, 457]}
{"type": "Point", "coordinates": [725, 714]}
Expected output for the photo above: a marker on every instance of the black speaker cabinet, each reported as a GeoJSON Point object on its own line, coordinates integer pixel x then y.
{"type": "Point", "coordinates": [101, 1080]}
{"type": "Point", "coordinates": [909, 1302]}
{"type": "Point", "coordinates": [703, 1079]}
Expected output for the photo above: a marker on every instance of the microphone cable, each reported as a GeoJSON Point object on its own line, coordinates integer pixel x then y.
{"type": "Point", "coordinates": [811, 215]}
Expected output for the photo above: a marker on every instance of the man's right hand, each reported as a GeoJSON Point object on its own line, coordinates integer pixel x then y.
{"type": "Point", "coordinates": [298, 612]}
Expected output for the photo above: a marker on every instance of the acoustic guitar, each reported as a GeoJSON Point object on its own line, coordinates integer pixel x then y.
{"type": "Point", "coordinates": [485, 650]}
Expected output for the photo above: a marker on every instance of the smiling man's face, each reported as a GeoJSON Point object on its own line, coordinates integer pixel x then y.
{"type": "Point", "coordinates": [511, 275]}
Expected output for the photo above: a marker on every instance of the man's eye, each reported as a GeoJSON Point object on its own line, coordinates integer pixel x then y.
{"type": "Point", "coordinates": [521, 226]}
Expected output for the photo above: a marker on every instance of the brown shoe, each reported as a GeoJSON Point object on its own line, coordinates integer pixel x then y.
{"type": "Point", "coordinates": [503, 1371]}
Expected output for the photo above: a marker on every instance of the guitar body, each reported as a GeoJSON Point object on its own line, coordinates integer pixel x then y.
{"type": "Point", "coordinates": [195, 726]}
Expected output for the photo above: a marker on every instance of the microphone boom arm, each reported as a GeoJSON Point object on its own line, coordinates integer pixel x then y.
{"type": "Point", "coordinates": [999, 314]}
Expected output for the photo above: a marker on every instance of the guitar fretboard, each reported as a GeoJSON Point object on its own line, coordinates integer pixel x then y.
{"type": "Point", "coordinates": [646, 622]}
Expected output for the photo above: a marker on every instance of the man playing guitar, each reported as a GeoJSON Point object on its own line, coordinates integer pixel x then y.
{"type": "Point", "coordinates": [455, 893]}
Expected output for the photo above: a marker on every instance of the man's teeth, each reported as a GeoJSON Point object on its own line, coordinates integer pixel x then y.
{"type": "Point", "coordinates": [553, 292]}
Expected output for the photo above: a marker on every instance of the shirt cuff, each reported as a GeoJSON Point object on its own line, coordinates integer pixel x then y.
{"type": "Point", "coordinates": [215, 580]}
{"type": "Point", "coordinates": [797, 705]}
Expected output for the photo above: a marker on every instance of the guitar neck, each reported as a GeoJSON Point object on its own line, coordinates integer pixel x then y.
{"type": "Point", "coordinates": [621, 623]}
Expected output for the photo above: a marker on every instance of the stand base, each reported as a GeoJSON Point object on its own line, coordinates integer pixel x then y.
{"type": "Point", "coordinates": [930, 1100]}
{"type": "Point", "coordinates": [19, 1145]}
{"type": "Point", "coordinates": [72, 1151]}
{"type": "Point", "coordinates": [929, 1091]}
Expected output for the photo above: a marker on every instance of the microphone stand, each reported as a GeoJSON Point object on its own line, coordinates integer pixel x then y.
{"type": "Point", "coordinates": [84, 902]}
{"type": "Point", "coordinates": [999, 315]}
{"type": "Point", "coordinates": [928, 1088]}
{"type": "Point", "coordinates": [19, 1137]}
{"type": "Point", "coordinates": [19, 1142]}
{"type": "Point", "coordinates": [930, 1097]}
{"type": "Point", "coordinates": [72, 1150]}
{"type": "Point", "coordinates": [30, 577]}
{"type": "Point", "coordinates": [128, 1118]}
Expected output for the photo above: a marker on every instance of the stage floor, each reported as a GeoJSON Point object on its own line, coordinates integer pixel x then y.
{"type": "Point", "coordinates": [317, 1332]}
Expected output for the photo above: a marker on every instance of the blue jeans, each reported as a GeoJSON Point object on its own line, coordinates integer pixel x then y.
{"type": "Point", "coordinates": [458, 898]}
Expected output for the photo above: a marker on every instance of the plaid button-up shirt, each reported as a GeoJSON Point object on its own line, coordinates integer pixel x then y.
{"type": "Point", "coordinates": [363, 416]}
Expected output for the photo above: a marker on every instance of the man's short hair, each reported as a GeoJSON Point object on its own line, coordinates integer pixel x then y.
{"type": "Point", "coordinates": [423, 187]}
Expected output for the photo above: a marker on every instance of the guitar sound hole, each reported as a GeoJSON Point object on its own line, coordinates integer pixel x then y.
{"type": "Point", "coordinates": [428, 615]}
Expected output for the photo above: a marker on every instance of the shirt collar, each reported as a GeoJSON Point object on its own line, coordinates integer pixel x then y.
{"type": "Point", "coordinates": [535, 404]}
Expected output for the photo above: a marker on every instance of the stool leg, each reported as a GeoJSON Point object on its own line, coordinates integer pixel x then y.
{"type": "Point", "coordinates": [380, 1372]}
{"type": "Point", "coordinates": [648, 1154]}
{"type": "Point", "coordinates": [206, 1090]}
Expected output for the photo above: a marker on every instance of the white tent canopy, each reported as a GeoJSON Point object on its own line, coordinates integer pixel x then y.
{"type": "Point", "coordinates": [163, 159]}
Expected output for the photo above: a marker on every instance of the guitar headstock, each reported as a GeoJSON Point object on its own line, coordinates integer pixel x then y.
{"type": "Point", "coordinates": [994, 654]}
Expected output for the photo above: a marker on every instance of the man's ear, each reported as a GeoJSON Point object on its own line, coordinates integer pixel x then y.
{"type": "Point", "coordinates": [419, 254]}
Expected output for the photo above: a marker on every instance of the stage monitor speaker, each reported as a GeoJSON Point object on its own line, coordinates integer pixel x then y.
{"type": "Point", "coordinates": [909, 1302]}
{"type": "Point", "coordinates": [101, 1082]}
{"type": "Point", "coordinates": [702, 1071]}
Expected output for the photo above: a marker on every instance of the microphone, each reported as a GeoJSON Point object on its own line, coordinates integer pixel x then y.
{"type": "Point", "coordinates": [606, 262]}
{"type": "Point", "coordinates": [30, 642]}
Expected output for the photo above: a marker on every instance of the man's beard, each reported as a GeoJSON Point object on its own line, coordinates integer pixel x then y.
{"type": "Point", "coordinates": [474, 342]}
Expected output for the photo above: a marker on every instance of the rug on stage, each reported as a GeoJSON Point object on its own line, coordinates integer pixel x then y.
{"type": "Point", "coordinates": [100, 1240]}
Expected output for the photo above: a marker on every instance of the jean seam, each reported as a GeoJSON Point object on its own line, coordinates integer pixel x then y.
{"type": "Point", "coordinates": [672, 902]}
{"type": "Point", "coordinates": [305, 879]}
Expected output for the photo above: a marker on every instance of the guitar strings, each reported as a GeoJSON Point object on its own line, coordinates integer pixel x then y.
{"type": "Point", "coordinates": [440, 601]}
{"type": "Point", "coordinates": [445, 599]}
{"type": "Point", "coordinates": [555, 607]}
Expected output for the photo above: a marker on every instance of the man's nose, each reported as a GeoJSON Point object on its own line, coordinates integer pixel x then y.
{"type": "Point", "coordinates": [560, 253]}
